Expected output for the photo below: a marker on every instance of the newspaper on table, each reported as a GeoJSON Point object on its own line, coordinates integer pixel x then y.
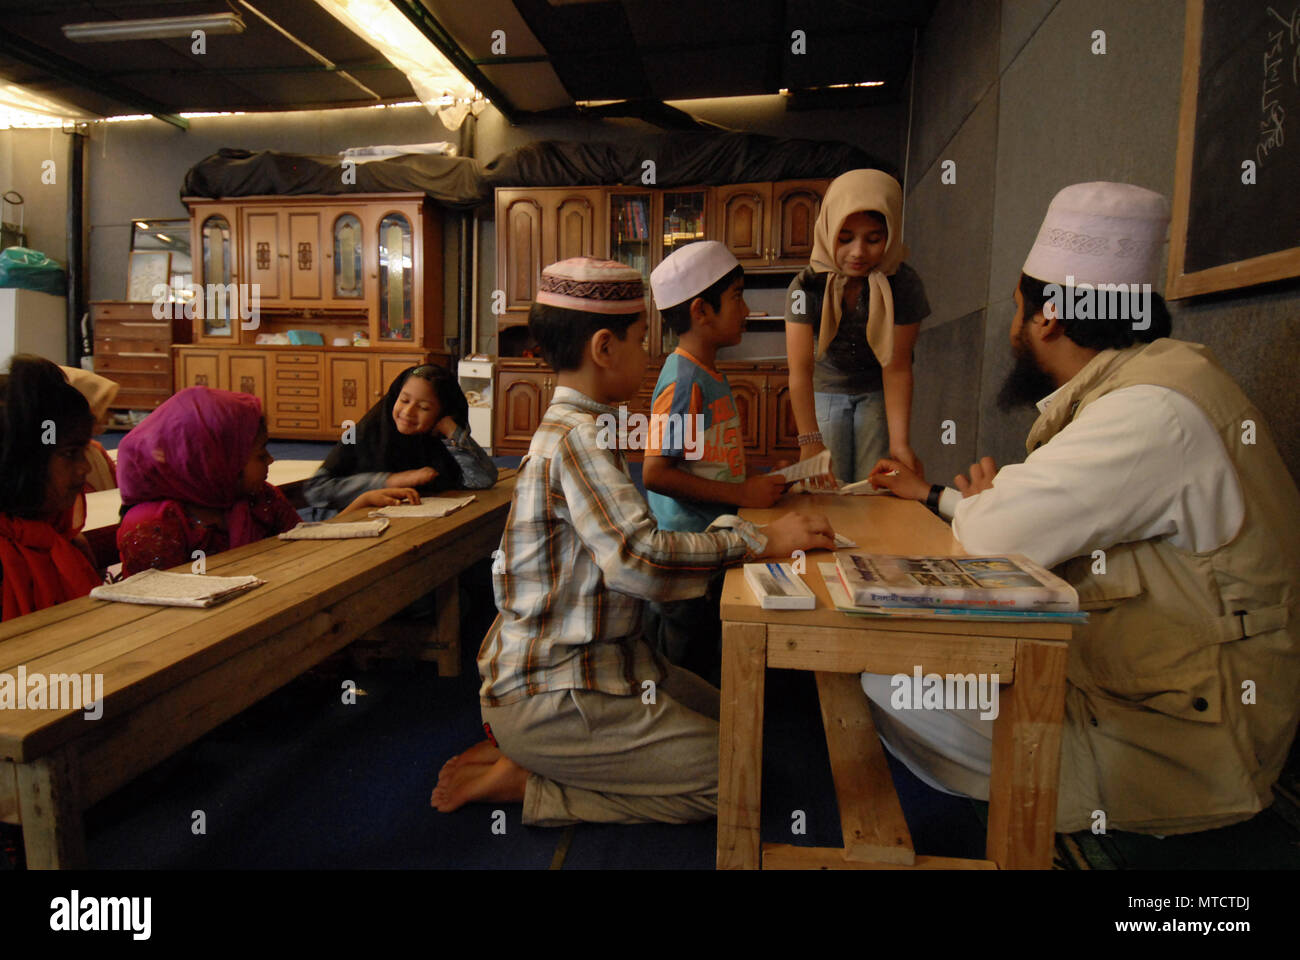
{"type": "Point", "coordinates": [175, 589]}
{"type": "Point", "coordinates": [426, 508]}
{"type": "Point", "coordinates": [1006, 582]}
{"type": "Point", "coordinates": [336, 531]}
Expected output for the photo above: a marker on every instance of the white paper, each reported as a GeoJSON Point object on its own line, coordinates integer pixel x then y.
{"type": "Point", "coordinates": [175, 589]}
{"type": "Point", "coordinates": [427, 507]}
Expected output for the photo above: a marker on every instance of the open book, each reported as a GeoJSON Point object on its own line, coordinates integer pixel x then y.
{"type": "Point", "coordinates": [1008, 582]}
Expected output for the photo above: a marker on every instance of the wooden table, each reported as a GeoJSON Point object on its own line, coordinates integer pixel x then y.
{"type": "Point", "coordinates": [1029, 659]}
{"type": "Point", "coordinates": [171, 674]}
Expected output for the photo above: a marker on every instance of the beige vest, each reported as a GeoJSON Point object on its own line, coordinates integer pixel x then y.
{"type": "Point", "coordinates": [1184, 689]}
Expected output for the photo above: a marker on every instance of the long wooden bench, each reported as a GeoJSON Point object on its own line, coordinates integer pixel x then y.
{"type": "Point", "coordinates": [172, 674]}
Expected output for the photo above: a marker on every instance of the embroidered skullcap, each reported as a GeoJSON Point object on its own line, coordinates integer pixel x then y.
{"type": "Point", "coordinates": [594, 286]}
{"type": "Point", "coordinates": [1100, 233]}
{"type": "Point", "coordinates": [689, 271]}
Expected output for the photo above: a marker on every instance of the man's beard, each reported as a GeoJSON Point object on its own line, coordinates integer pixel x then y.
{"type": "Point", "coordinates": [1027, 382]}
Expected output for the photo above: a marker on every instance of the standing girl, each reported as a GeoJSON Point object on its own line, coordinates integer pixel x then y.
{"type": "Point", "coordinates": [44, 430]}
{"type": "Point", "coordinates": [417, 436]}
{"type": "Point", "coordinates": [851, 380]}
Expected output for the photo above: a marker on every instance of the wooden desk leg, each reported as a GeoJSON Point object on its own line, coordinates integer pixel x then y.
{"type": "Point", "coordinates": [1027, 759]}
{"type": "Point", "coordinates": [740, 745]}
{"type": "Point", "coordinates": [49, 803]}
{"type": "Point", "coordinates": [447, 654]}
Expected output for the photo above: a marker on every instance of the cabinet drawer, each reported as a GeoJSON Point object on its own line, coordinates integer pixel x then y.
{"type": "Point", "coordinates": [310, 391]}
{"type": "Point", "coordinates": [126, 346]}
{"type": "Point", "coordinates": [138, 399]}
{"type": "Point", "coordinates": [125, 311]}
{"type": "Point", "coordinates": [159, 331]}
{"type": "Point", "coordinates": [288, 373]}
{"type": "Point", "coordinates": [141, 380]}
{"type": "Point", "coordinates": [133, 363]}
{"type": "Point", "coordinates": [296, 406]}
{"type": "Point", "coordinates": [295, 423]}
{"type": "Point", "coordinates": [297, 359]}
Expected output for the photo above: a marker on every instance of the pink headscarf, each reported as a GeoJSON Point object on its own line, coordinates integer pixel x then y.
{"type": "Point", "coordinates": [192, 449]}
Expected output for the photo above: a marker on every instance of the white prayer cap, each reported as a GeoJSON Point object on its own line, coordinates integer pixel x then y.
{"type": "Point", "coordinates": [688, 271]}
{"type": "Point", "coordinates": [1100, 233]}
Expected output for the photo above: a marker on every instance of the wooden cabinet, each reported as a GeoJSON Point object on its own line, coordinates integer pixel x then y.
{"type": "Point", "coordinates": [782, 428]}
{"type": "Point", "coordinates": [133, 349]}
{"type": "Point", "coordinates": [523, 395]}
{"type": "Point", "coordinates": [768, 225]}
{"type": "Point", "coordinates": [349, 388]}
{"type": "Point", "coordinates": [247, 373]}
{"type": "Point", "coordinates": [198, 368]}
{"type": "Point", "coordinates": [306, 394]}
{"type": "Point", "coordinates": [751, 403]}
{"type": "Point", "coordinates": [363, 267]}
{"type": "Point", "coordinates": [540, 226]}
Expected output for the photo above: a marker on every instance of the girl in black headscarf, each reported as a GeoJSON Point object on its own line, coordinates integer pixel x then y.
{"type": "Point", "coordinates": [416, 437]}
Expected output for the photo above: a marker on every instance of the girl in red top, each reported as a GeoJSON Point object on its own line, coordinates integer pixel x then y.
{"type": "Point", "coordinates": [45, 428]}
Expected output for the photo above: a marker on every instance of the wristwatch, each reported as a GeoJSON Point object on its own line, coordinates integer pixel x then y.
{"type": "Point", "coordinates": [932, 501]}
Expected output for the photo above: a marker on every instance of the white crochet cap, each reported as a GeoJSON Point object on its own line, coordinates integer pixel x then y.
{"type": "Point", "coordinates": [687, 272]}
{"type": "Point", "coordinates": [1100, 233]}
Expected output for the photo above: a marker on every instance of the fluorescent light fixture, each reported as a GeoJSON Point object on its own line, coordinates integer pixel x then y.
{"type": "Point", "coordinates": [835, 86]}
{"type": "Point", "coordinates": [141, 225]}
{"type": "Point", "coordinates": [156, 28]}
{"type": "Point", "coordinates": [163, 237]}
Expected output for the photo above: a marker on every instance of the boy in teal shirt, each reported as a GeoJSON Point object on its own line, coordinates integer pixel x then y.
{"type": "Point", "coordinates": [694, 468]}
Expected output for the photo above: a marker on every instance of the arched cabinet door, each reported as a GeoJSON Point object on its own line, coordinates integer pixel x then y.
{"type": "Point", "coordinates": [519, 248]}
{"type": "Point", "coordinates": [522, 396]}
{"type": "Point", "coordinates": [396, 278]}
{"type": "Point", "coordinates": [216, 274]}
{"type": "Point", "coordinates": [795, 206]}
{"type": "Point", "coordinates": [742, 219]}
{"type": "Point", "coordinates": [347, 260]}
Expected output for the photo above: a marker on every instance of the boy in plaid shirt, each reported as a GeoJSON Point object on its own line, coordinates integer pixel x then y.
{"type": "Point", "coordinates": [585, 721]}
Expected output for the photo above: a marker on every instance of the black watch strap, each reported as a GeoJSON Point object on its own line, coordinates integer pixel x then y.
{"type": "Point", "coordinates": [932, 501]}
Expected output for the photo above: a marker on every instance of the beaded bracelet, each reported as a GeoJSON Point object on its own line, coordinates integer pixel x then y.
{"type": "Point", "coordinates": [806, 439]}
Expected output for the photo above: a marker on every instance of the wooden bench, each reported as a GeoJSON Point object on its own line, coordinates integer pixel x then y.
{"type": "Point", "coordinates": [171, 674]}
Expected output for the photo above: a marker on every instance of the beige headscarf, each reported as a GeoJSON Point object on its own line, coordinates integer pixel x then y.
{"type": "Point", "coordinates": [98, 391]}
{"type": "Point", "coordinates": [855, 192]}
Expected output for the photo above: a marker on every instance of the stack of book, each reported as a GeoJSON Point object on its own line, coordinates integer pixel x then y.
{"type": "Point", "coordinates": [1008, 588]}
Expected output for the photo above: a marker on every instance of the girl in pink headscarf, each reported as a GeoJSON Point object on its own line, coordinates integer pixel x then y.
{"type": "Point", "coordinates": [193, 477]}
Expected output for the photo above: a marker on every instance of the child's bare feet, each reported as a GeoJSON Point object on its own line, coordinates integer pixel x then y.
{"type": "Point", "coordinates": [482, 752]}
{"type": "Point", "coordinates": [501, 782]}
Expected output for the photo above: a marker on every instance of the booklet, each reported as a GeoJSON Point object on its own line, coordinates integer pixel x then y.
{"type": "Point", "coordinates": [778, 587]}
{"type": "Point", "coordinates": [336, 531]}
{"type": "Point", "coordinates": [175, 589]}
{"type": "Point", "coordinates": [1007, 582]}
{"type": "Point", "coordinates": [426, 508]}
{"type": "Point", "coordinates": [840, 599]}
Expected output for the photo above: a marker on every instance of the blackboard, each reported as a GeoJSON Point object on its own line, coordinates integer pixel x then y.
{"type": "Point", "coordinates": [1241, 103]}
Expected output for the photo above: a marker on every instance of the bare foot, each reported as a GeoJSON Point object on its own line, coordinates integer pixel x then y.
{"type": "Point", "coordinates": [482, 752]}
{"type": "Point", "coordinates": [502, 782]}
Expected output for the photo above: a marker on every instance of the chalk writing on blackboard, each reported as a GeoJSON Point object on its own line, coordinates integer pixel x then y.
{"type": "Point", "coordinates": [1272, 133]}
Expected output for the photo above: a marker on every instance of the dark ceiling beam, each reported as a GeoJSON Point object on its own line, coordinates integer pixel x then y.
{"type": "Point", "coordinates": [69, 72]}
{"type": "Point", "coordinates": [424, 21]}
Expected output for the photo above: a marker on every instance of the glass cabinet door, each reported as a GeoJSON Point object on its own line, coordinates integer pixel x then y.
{"type": "Point", "coordinates": [629, 237]}
{"type": "Point", "coordinates": [348, 269]}
{"type": "Point", "coordinates": [219, 307]}
{"type": "Point", "coordinates": [682, 223]}
{"type": "Point", "coordinates": [396, 294]}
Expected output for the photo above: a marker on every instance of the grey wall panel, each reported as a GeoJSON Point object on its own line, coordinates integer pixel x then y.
{"type": "Point", "coordinates": [1067, 115]}
{"type": "Point", "coordinates": [1001, 433]}
{"type": "Point", "coordinates": [949, 226]}
{"type": "Point", "coordinates": [958, 61]}
{"type": "Point", "coordinates": [947, 379]}
{"type": "Point", "coordinates": [1020, 18]}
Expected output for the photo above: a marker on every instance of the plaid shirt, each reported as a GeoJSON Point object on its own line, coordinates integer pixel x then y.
{"type": "Point", "coordinates": [579, 557]}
